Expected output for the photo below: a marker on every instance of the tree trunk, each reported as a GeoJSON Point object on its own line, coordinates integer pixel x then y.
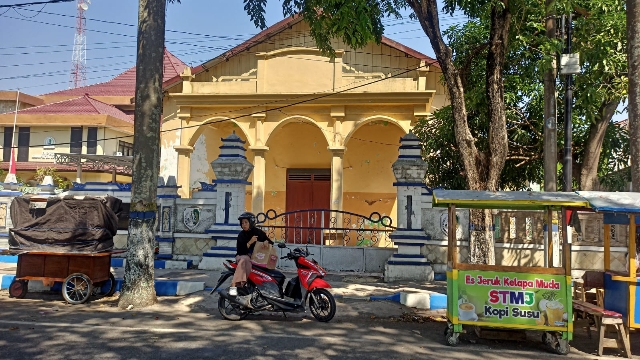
{"type": "Point", "coordinates": [481, 245]}
{"type": "Point", "coordinates": [482, 170]}
{"type": "Point", "coordinates": [593, 146]}
{"type": "Point", "coordinates": [550, 103]}
{"type": "Point", "coordinates": [498, 142]}
{"type": "Point", "coordinates": [138, 288]}
{"type": "Point", "coordinates": [633, 57]}
{"type": "Point", "coordinates": [473, 160]}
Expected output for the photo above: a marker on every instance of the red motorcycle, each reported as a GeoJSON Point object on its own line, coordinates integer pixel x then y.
{"type": "Point", "coordinates": [264, 290]}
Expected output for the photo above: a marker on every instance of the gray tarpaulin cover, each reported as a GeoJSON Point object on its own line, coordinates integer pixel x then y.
{"type": "Point", "coordinates": [66, 224]}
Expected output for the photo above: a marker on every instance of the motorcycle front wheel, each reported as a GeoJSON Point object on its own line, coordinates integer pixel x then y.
{"type": "Point", "coordinates": [322, 305]}
{"type": "Point", "coordinates": [231, 311]}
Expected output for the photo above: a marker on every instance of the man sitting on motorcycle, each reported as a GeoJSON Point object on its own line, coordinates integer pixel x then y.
{"type": "Point", "coordinates": [245, 244]}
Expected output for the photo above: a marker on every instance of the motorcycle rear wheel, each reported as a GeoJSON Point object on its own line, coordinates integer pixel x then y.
{"type": "Point", "coordinates": [324, 306]}
{"type": "Point", "coordinates": [231, 311]}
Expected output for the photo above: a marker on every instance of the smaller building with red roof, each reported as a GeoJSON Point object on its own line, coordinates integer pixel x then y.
{"type": "Point", "coordinates": [90, 122]}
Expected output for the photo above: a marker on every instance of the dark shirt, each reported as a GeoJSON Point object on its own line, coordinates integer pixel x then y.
{"type": "Point", "coordinates": [245, 236]}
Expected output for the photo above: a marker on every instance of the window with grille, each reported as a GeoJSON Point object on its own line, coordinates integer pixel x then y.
{"type": "Point", "coordinates": [76, 140]}
{"type": "Point", "coordinates": [8, 138]}
{"type": "Point", "coordinates": [92, 140]}
{"type": "Point", "coordinates": [24, 136]}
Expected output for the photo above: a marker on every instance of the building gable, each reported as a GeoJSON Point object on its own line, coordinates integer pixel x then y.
{"type": "Point", "coordinates": [285, 57]}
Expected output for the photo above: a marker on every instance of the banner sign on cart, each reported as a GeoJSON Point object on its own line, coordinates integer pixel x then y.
{"type": "Point", "coordinates": [512, 298]}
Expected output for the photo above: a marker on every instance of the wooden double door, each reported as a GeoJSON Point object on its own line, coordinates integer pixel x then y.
{"type": "Point", "coordinates": [307, 189]}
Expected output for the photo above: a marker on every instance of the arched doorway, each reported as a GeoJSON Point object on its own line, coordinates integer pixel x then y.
{"type": "Point", "coordinates": [368, 177]}
{"type": "Point", "coordinates": [298, 174]}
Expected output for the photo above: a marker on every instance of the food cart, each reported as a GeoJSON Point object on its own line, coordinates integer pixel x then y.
{"type": "Point", "coordinates": [64, 239]}
{"type": "Point", "coordinates": [621, 289]}
{"type": "Point", "coordinates": [510, 297]}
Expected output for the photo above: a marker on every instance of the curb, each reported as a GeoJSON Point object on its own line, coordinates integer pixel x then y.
{"type": "Point", "coordinates": [163, 287]}
{"type": "Point", "coordinates": [157, 264]}
{"type": "Point", "coordinates": [120, 262]}
{"type": "Point", "coordinates": [437, 302]}
{"type": "Point", "coordinates": [425, 301]}
{"type": "Point", "coordinates": [8, 259]}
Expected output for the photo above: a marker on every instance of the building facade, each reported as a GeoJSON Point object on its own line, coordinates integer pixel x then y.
{"type": "Point", "coordinates": [321, 132]}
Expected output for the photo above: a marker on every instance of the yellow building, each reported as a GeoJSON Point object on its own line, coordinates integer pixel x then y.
{"type": "Point", "coordinates": [321, 132]}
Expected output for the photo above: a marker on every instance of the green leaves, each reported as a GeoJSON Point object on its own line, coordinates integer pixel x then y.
{"type": "Point", "coordinates": [600, 40]}
{"type": "Point", "coordinates": [356, 22]}
{"type": "Point", "coordinates": [256, 9]}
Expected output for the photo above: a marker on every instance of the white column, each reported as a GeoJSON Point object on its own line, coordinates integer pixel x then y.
{"type": "Point", "coordinates": [336, 176]}
{"type": "Point", "coordinates": [259, 178]}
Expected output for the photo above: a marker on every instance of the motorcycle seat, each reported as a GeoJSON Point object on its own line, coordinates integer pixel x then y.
{"type": "Point", "coordinates": [280, 277]}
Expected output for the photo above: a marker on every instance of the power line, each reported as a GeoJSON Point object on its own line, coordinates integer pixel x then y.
{"type": "Point", "coordinates": [268, 103]}
{"type": "Point", "coordinates": [135, 25]}
{"type": "Point", "coordinates": [30, 17]}
{"type": "Point", "coordinates": [277, 42]}
{"type": "Point", "coordinates": [277, 108]}
{"type": "Point", "coordinates": [35, 3]}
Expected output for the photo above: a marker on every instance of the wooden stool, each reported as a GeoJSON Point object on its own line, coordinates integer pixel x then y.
{"type": "Point", "coordinates": [622, 338]}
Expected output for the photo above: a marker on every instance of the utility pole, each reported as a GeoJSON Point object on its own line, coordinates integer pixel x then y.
{"type": "Point", "coordinates": [550, 102]}
{"type": "Point", "coordinates": [633, 110]}
{"type": "Point", "coordinates": [568, 128]}
{"type": "Point", "coordinates": [138, 289]}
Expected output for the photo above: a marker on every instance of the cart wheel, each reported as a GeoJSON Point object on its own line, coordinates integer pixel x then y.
{"type": "Point", "coordinates": [18, 289]}
{"type": "Point", "coordinates": [562, 347]}
{"type": "Point", "coordinates": [76, 288]}
{"type": "Point", "coordinates": [547, 339]}
{"type": "Point", "coordinates": [450, 336]}
{"type": "Point", "coordinates": [105, 288]}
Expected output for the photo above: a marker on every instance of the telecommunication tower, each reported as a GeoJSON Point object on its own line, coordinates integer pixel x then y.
{"type": "Point", "coordinates": [79, 57]}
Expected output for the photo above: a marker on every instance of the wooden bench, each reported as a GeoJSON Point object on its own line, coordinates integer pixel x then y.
{"type": "Point", "coordinates": [603, 319]}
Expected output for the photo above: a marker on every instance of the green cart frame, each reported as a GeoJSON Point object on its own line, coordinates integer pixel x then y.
{"type": "Point", "coordinates": [510, 297]}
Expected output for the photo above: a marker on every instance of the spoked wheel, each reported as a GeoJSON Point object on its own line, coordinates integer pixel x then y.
{"type": "Point", "coordinates": [231, 311]}
{"type": "Point", "coordinates": [451, 337]}
{"type": "Point", "coordinates": [105, 288]}
{"type": "Point", "coordinates": [322, 305]}
{"type": "Point", "coordinates": [18, 289]}
{"type": "Point", "coordinates": [556, 343]}
{"type": "Point", "coordinates": [76, 288]}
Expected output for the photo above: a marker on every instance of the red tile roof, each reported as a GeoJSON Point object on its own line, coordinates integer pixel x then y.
{"type": "Point", "coordinates": [84, 105]}
{"type": "Point", "coordinates": [623, 123]}
{"type": "Point", "coordinates": [35, 165]}
{"type": "Point", "coordinates": [125, 83]}
{"type": "Point", "coordinates": [279, 27]}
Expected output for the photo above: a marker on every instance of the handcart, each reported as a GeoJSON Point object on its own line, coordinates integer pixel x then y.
{"type": "Point", "coordinates": [82, 275]}
{"type": "Point", "coordinates": [64, 239]}
{"type": "Point", "coordinates": [510, 297]}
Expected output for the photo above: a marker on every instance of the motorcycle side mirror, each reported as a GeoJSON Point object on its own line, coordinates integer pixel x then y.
{"type": "Point", "coordinates": [282, 245]}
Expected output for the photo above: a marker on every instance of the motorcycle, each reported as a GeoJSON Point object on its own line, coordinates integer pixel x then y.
{"type": "Point", "coordinates": [264, 290]}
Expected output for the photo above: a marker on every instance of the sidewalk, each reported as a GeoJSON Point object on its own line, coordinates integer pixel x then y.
{"type": "Point", "coordinates": [352, 286]}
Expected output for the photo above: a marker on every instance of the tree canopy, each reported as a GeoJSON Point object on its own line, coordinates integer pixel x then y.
{"type": "Point", "coordinates": [599, 38]}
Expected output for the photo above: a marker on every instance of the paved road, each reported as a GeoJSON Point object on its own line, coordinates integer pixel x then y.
{"type": "Point", "coordinates": [44, 327]}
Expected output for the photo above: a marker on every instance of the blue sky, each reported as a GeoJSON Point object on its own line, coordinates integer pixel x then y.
{"type": "Point", "coordinates": [36, 49]}
{"type": "Point", "coordinates": [36, 57]}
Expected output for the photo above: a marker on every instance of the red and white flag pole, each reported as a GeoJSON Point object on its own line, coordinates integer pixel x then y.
{"type": "Point", "coordinates": [11, 176]}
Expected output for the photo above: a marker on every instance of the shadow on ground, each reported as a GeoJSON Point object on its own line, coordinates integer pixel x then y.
{"type": "Point", "coordinates": [44, 326]}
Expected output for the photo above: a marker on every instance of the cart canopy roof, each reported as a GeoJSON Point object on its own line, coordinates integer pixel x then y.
{"type": "Point", "coordinates": [623, 202]}
{"type": "Point", "coordinates": [65, 225]}
{"type": "Point", "coordinates": [508, 200]}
